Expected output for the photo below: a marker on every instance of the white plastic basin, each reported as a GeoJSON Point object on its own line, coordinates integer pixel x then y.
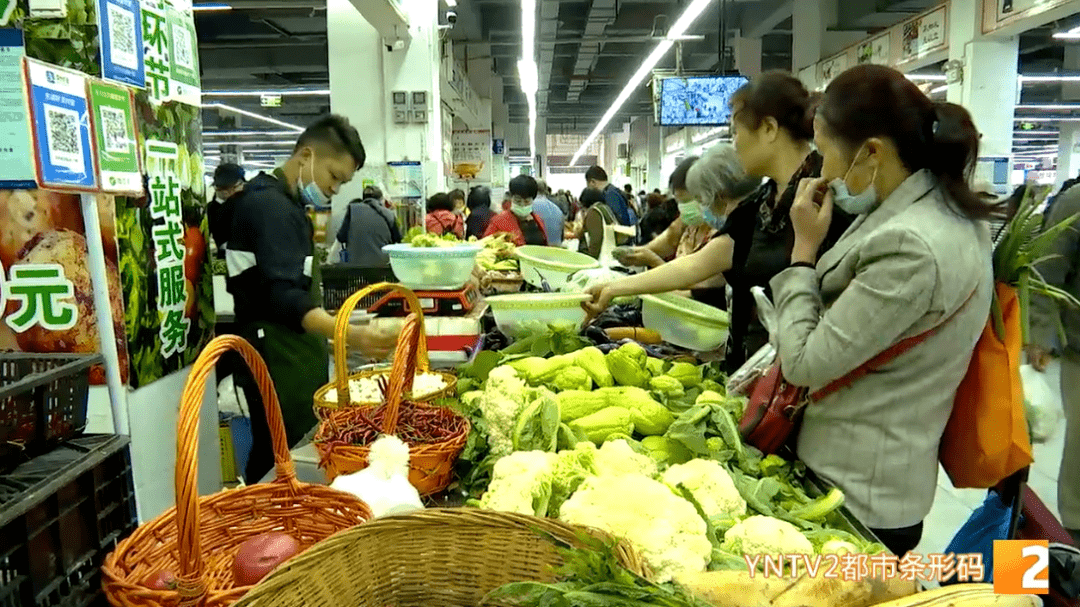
{"type": "Point", "coordinates": [553, 264]}
{"type": "Point", "coordinates": [684, 322]}
{"type": "Point", "coordinates": [435, 268]}
{"type": "Point", "coordinates": [515, 313]}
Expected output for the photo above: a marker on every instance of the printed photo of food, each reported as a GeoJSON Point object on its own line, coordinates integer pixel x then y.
{"type": "Point", "coordinates": [45, 227]}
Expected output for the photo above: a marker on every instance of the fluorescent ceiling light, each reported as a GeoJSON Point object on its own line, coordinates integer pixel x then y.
{"type": "Point", "coordinates": [940, 89]}
{"type": "Point", "coordinates": [528, 72]}
{"type": "Point", "coordinates": [283, 93]}
{"type": "Point", "coordinates": [267, 119]}
{"type": "Point", "coordinates": [927, 77]}
{"type": "Point", "coordinates": [291, 134]}
{"type": "Point", "coordinates": [283, 144]}
{"type": "Point", "coordinates": [211, 6]}
{"type": "Point", "coordinates": [1050, 78]}
{"type": "Point", "coordinates": [1045, 119]}
{"type": "Point", "coordinates": [1072, 34]}
{"type": "Point", "coordinates": [1049, 106]}
{"type": "Point", "coordinates": [684, 22]}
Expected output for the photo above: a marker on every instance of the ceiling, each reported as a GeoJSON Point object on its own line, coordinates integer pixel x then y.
{"type": "Point", "coordinates": [587, 50]}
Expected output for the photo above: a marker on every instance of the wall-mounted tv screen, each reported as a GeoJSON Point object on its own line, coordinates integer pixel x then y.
{"type": "Point", "coordinates": [697, 100]}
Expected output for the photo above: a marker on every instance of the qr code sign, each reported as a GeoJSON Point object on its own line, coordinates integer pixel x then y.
{"type": "Point", "coordinates": [122, 49]}
{"type": "Point", "coordinates": [182, 50]}
{"type": "Point", "coordinates": [64, 138]}
{"type": "Point", "coordinates": [114, 130]}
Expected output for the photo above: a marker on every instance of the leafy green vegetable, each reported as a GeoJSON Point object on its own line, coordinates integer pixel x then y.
{"type": "Point", "coordinates": [591, 576]}
{"type": "Point", "coordinates": [538, 426]}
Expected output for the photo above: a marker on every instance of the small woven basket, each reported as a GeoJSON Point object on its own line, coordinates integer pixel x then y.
{"type": "Point", "coordinates": [325, 406]}
{"type": "Point", "coordinates": [198, 539]}
{"type": "Point", "coordinates": [431, 466]}
{"type": "Point", "coordinates": [433, 558]}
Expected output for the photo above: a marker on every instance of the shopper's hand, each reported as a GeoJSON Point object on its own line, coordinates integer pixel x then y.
{"type": "Point", "coordinates": [641, 257]}
{"type": "Point", "coordinates": [1037, 356]}
{"type": "Point", "coordinates": [601, 299]}
{"type": "Point", "coordinates": [373, 341]}
{"type": "Point", "coordinates": [811, 215]}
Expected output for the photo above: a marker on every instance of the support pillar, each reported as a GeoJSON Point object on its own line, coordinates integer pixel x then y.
{"type": "Point", "coordinates": [363, 76]}
{"type": "Point", "coordinates": [748, 56]}
{"type": "Point", "coordinates": [1068, 158]}
{"type": "Point", "coordinates": [808, 30]}
{"type": "Point", "coordinates": [989, 87]}
{"type": "Point", "coordinates": [653, 177]}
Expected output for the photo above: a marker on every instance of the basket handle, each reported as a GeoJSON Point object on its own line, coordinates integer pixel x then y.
{"type": "Point", "coordinates": [192, 574]}
{"type": "Point", "coordinates": [341, 332]}
{"type": "Point", "coordinates": [403, 371]}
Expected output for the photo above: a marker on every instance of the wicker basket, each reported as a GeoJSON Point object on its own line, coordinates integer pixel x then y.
{"type": "Point", "coordinates": [325, 406]}
{"type": "Point", "coordinates": [430, 465]}
{"type": "Point", "coordinates": [435, 558]}
{"type": "Point", "coordinates": [197, 540]}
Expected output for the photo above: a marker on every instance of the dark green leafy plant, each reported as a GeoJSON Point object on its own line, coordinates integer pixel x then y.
{"type": "Point", "coordinates": [1023, 246]}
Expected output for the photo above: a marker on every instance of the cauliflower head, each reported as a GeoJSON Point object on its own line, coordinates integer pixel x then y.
{"type": "Point", "coordinates": [571, 469]}
{"type": "Point", "coordinates": [521, 482]}
{"type": "Point", "coordinates": [711, 486]}
{"type": "Point", "coordinates": [767, 536]}
{"type": "Point", "coordinates": [617, 457]}
{"type": "Point", "coordinates": [503, 400]}
{"type": "Point", "coordinates": [662, 526]}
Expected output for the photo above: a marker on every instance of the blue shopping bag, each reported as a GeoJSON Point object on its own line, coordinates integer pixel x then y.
{"type": "Point", "coordinates": [987, 523]}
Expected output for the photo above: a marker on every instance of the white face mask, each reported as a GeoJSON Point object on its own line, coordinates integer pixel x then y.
{"type": "Point", "coordinates": [854, 204]}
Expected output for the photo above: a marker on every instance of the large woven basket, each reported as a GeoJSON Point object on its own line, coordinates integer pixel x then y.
{"type": "Point", "coordinates": [197, 540]}
{"type": "Point", "coordinates": [431, 466]}
{"type": "Point", "coordinates": [434, 558]}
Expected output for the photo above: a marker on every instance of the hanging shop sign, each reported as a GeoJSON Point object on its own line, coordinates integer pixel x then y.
{"type": "Point", "coordinates": [877, 51]}
{"type": "Point", "coordinates": [406, 179]}
{"type": "Point", "coordinates": [47, 295]}
{"type": "Point", "coordinates": [1002, 14]}
{"type": "Point", "coordinates": [924, 35]}
{"type": "Point", "coordinates": [169, 250]}
{"type": "Point", "coordinates": [63, 143]}
{"type": "Point", "coordinates": [171, 55]}
{"type": "Point", "coordinates": [472, 156]}
{"type": "Point", "coordinates": [832, 67]}
{"type": "Point", "coordinates": [114, 128]}
{"type": "Point", "coordinates": [16, 161]}
{"type": "Point", "coordinates": [121, 27]}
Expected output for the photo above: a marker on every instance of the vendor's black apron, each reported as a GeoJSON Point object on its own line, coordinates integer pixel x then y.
{"type": "Point", "coordinates": [299, 365]}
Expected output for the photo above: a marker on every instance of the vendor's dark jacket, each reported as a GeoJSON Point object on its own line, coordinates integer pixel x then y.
{"type": "Point", "coordinates": [270, 256]}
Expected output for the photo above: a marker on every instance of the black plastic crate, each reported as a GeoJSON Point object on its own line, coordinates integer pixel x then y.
{"type": "Point", "coordinates": [340, 281]}
{"type": "Point", "coordinates": [42, 402]}
{"type": "Point", "coordinates": [60, 515]}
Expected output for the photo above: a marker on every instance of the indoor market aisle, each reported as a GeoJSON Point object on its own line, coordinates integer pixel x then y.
{"type": "Point", "coordinates": [952, 507]}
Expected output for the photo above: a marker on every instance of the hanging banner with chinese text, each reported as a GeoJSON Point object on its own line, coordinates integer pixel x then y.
{"type": "Point", "coordinates": [162, 296]}
{"type": "Point", "coordinates": [171, 51]}
{"type": "Point", "coordinates": [114, 128]}
{"type": "Point", "coordinates": [63, 148]}
{"type": "Point", "coordinates": [924, 35]}
{"type": "Point", "coordinates": [48, 296]}
{"type": "Point", "coordinates": [471, 158]}
{"type": "Point", "coordinates": [877, 51]}
{"type": "Point", "coordinates": [120, 24]}
{"type": "Point", "coordinates": [16, 160]}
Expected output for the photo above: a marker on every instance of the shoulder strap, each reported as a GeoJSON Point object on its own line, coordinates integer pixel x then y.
{"type": "Point", "coordinates": [887, 356]}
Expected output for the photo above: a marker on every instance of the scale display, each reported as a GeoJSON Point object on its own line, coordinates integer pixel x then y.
{"type": "Point", "coordinates": [697, 101]}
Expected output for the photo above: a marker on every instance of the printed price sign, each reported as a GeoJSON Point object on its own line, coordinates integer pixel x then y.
{"type": "Point", "coordinates": [16, 161]}
{"type": "Point", "coordinates": [120, 24]}
{"type": "Point", "coordinates": [167, 235]}
{"type": "Point", "coordinates": [114, 128]}
{"type": "Point", "coordinates": [44, 298]}
{"type": "Point", "coordinates": [63, 147]}
{"type": "Point", "coordinates": [1021, 567]}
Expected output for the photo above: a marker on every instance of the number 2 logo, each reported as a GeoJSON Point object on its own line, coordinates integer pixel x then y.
{"type": "Point", "coordinates": [1021, 567]}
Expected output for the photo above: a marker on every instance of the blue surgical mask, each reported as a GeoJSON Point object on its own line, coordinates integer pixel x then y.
{"type": "Point", "coordinates": [690, 213]}
{"type": "Point", "coordinates": [716, 222]}
{"type": "Point", "coordinates": [854, 204]}
{"type": "Point", "coordinates": [312, 193]}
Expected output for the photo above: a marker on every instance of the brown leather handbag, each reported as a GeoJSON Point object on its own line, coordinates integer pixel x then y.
{"type": "Point", "coordinates": [775, 407]}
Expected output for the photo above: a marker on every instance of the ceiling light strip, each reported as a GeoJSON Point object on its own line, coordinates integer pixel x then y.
{"type": "Point", "coordinates": [283, 93]}
{"type": "Point", "coordinates": [267, 119]}
{"type": "Point", "coordinates": [684, 22]}
{"type": "Point", "coordinates": [528, 71]}
{"type": "Point", "coordinates": [288, 134]}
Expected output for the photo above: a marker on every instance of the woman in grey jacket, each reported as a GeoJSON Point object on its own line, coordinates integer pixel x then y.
{"type": "Point", "coordinates": [917, 257]}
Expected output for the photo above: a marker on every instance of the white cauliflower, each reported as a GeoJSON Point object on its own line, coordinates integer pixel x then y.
{"type": "Point", "coordinates": [765, 535]}
{"type": "Point", "coordinates": [521, 482]}
{"type": "Point", "coordinates": [503, 400]}
{"type": "Point", "coordinates": [664, 528]}
{"type": "Point", "coordinates": [711, 486]}
{"type": "Point", "coordinates": [617, 457]}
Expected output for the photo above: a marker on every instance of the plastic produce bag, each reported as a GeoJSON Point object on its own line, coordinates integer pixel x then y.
{"type": "Point", "coordinates": [766, 312]}
{"type": "Point", "coordinates": [988, 523]}
{"type": "Point", "coordinates": [231, 400]}
{"type": "Point", "coordinates": [1042, 404]}
{"type": "Point", "coordinates": [742, 381]}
